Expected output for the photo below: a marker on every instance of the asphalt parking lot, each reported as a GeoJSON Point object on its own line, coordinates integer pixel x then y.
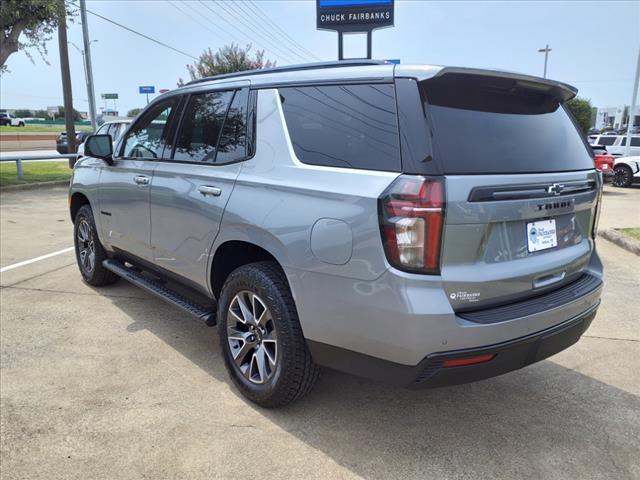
{"type": "Point", "coordinates": [113, 383]}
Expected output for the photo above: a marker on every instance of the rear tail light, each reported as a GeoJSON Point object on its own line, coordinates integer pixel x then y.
{"type": "Point", "coordinates": [411, 217]}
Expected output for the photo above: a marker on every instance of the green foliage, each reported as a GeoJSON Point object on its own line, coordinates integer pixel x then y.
{"type": "Point", "coordinates": [581, 110]}
{"type": "Point", "coordinates": [228, 59]}
{"type": "Point", "coordinates": [41, 114]}
{"type": "Point", "coordinates": [133, 112]}
{"type": "Point", "coordinates": [27, 24]}
{"type": "Point", "coordinates": [23, 113]}
{"type": "Point", "coordinates": [76, 114]}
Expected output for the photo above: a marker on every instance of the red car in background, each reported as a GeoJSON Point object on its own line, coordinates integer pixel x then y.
{"type": "Point", "coordinates": [603, 161]}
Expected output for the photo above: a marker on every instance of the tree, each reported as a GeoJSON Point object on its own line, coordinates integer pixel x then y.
{"type": "Point", "coordinates": [581, 110]}
{"type": "Point", "coordinates": [27, 24]}
{"type": "Point", "coordinates": [133, 112]}
{"type": "Point", "coordinates": [228, 59]}
{"type": "Point", "coordinates": [41, 114]}
{"type": "Point", "coordinates": [23, 113]}
{"type": "Point", "coordinates": [76, 114]}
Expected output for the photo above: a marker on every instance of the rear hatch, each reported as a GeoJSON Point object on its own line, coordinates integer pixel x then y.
{"type": "Point", "coordinates": [521, 189]}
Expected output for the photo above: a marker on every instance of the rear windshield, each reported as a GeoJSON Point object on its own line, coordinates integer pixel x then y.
{"type": "Point", "coordinates": [486, 125]}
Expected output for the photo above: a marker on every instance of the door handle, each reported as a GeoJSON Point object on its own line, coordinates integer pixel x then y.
{"type": "Point", "coordinates": [141, 179]}
{"type": "Point", "coordinates": [209, 190]}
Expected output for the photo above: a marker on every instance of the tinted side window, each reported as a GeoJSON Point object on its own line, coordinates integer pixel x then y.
{"type": "Point", "coordinates": [201, 125]}
{"type": "Point", "coordinates": [606, 140]}
{"type": "Point", "coordinates": [233, 139]}
{"type": "Point", "coordinates": [635, 142]}
{"type": "Point", "coordinates": [351, 126]}
{"type": "Point", "coordinates": [148, 136]}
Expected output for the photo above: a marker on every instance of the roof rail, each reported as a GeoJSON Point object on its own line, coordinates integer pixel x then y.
{"type": "Point", "coordinates": [292, 68]}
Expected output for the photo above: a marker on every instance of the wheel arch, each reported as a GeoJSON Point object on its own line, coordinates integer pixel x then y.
{"type": "Point", "coordinates": [233, 254]}
{"type": "Point", "coordinates": [76, 201]}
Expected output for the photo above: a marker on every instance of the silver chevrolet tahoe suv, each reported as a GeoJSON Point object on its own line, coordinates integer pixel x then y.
{"type": "Point", "coordinates": [420, 225]}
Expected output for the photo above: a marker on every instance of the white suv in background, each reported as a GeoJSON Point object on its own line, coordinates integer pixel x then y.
{"type": "Point", "coordinates": [626, 171]}
{"type": "Point", "coordinates": [8, 119]}
{"type": "Point", "coordinates": [616, 144]}
{"type": "Point", "coordinates": [115, 129]}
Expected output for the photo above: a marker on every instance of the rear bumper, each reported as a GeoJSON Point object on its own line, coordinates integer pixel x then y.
{"type": "Point", "coordinates": [431, 372]}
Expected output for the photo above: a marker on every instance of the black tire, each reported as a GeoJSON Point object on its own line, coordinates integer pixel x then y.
{"type": "Point", "coordinates": [97, 275]}
{"type": "Point", "coordinates": [622, 176]}
{"type": "Point", "coordinates": [21, 124]}
{"type": "Point", "coordinates": [295, 373]}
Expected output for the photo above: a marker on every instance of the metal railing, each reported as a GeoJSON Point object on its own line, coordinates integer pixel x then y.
{"type": "Point", "coordinates": [20, 158]}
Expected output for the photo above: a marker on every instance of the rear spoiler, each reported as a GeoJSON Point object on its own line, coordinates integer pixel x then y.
{"type": "Point", "coordinates": [561, 91]}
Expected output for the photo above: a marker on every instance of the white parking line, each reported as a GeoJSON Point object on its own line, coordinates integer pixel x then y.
{"type": "Point", "coordinates": [37, 259]}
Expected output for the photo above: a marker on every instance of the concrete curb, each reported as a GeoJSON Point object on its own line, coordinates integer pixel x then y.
{"type": "Point", "coordinates": [624, 241]}
{"type": "Point", "coordinates": [34, 186]}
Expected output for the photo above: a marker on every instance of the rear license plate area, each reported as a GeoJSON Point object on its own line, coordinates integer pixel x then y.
{"type": "Point", "coordinates": [541, 235]}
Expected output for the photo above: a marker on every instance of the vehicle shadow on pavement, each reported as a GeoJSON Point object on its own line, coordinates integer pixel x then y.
{"type": "Point", "coordinates": [545, 421]}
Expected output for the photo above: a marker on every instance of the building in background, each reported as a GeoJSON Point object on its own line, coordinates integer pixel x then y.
{"type": "Point", "coordinates": [615, 117]}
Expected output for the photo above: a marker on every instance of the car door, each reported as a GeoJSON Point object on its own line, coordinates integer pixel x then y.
{"type": "Point", "coordinates": [189, 193]}
{"type": "Point", "coordinates": [124, 186]}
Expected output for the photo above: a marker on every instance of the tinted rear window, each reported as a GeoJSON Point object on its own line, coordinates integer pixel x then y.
{"type": "Point", "coordinates": [352, 126]}
{"type": "Point", "coordinates": [485, 125]}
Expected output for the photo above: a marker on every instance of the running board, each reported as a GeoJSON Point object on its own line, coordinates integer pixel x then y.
{"type": "Point", "coordinates": [158, 289]}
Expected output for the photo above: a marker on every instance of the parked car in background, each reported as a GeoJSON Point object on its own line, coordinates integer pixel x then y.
{"type": "Point", "coordinates": [343, 215]}
{"type": "Point", "coordinates": [626, 171]}
{"type": "Point", "coordinates": [616, 144]}
{"type": "Point", "coordinates": [115, 129]}
{"type": "Point", "coordinates": [8, 119]}
{"type": "Point", "coordinates": [603, 161]}
{"type": "Point", "coordinates": [62, 144]}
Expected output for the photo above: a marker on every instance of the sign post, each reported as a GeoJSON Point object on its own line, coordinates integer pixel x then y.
{"type": "Point", "coordinates": [147, 89]}
{"type": "Point", "coordinates": [354, 16]}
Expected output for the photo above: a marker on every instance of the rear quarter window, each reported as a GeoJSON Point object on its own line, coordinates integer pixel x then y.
{"type": "Point", "coordinates": [351, 126]}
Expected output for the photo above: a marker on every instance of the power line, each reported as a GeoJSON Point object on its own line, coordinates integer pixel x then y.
{"type": "Point", "coordinates": [267, 34]}
{"type": "Point", "coordinates": [262, 14]}
{"type": "Point", "coordinates": [141, 34]}
{"type": "Point", "coordinates": [273, 49]}
{"type": "Point", "coordinates": [190, 17]}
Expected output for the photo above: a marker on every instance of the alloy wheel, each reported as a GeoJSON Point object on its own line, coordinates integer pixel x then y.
{"type": "Point", "coordinates": [621, 177]}
{"type": "Point", "coordinates": [252, 337]}
{"type": "Point", "coordinates": [86, 246]}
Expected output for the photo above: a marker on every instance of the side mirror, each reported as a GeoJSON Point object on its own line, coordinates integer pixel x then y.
{"type": "Point", "coordinates": [99, 146]}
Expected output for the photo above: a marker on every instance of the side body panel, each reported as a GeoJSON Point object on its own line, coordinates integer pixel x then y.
{"type": "Point", "coordinates": [277, 201]}
{"type": "Point", "coordinates": [124, 206]}
{"type": "Point", "coordinates": [184, 221]}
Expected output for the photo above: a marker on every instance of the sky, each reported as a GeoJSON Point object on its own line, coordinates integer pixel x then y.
{"type": "Point", "coordinates": [594, 44]}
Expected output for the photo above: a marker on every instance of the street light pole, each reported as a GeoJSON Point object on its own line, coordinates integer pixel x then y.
{"type": "Point", "coordinates": [546, 51]}
{"type": "Point", "coordinates": [632, 108]}
{"type": "Point", "coordinates": [87, 62]}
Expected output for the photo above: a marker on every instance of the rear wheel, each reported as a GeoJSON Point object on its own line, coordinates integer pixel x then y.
{"type": "Point", "coordinates": [261, 338]}
{"type": "Point", "coordinates": [622, 176]}
{"type": "Point", "coordinates": [89, 251]}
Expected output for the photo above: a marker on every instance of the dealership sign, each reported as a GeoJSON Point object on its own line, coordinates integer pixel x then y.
{"type": "Point", "coordinates": [353, 15]}
{"type": "Point", "coordinates": [109, 96]}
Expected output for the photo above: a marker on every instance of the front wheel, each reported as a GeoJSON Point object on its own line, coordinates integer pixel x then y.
{"type": "Point", "coordinates": [89, 251]}
{"type": "Point", "coordinates": [261, 338]}
{"type": "Point", "coordinates": [622, 176]}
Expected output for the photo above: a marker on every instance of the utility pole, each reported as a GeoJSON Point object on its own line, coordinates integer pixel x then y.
{"type": "Point", "coordinates": [546, 51]}
{"type": "Point", "coordinates": [87, 65]}
{"type": "Point", "coordinates": [632, 108]}
{"type": "Point", "coordinates": [66, 77]}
